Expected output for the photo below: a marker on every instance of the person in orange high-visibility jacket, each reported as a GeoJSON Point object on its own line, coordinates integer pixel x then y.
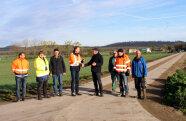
{"type": "Point", "coordinates": [20, 67]}
{"type": "Point", "coordinates": [122, 66]}
{"type": "Point", "coordinates": [75, 64]}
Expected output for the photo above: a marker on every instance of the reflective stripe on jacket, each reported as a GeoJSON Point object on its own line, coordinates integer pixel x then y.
{"type": "Point", "coordinates": [41, 66]}
{"type": "Point", "coordinates": [74, 60]}
{"type": "Point", "coordinates": [122, 64]}
{"type": "Point", "coordinates": [20, 66]}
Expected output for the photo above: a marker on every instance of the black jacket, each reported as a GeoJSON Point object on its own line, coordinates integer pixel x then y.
{"type": "Point", "coordinates": [57, 65]}
{"type": "Point", "coordinates": [111, 64]}
{"type": "Point", "coordinates": [98, 59]}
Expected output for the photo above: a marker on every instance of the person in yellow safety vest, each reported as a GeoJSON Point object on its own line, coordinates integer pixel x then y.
{"type": "Point", "coordinates": [20, 67]}
{"type": "Point", "coordinates": [122, 67]}
{"type": "Point", "coordinates": [42, 74]}
{"type": "Point", "coordinates": [75, 64]}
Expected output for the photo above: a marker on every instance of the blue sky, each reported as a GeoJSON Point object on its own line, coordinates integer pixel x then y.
{"type": "Point", "coordinates": [92, 22]}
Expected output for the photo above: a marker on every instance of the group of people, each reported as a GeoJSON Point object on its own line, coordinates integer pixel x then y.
{"type": "Point", "coordinates": [119, 67]}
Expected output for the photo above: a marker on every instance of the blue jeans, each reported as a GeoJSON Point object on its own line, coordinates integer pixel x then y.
{"type": "Point", "coordinates": [75, 78]}
{"type": "Point", "coordinates": [123, 78]}
{"type": "Point", "coordinates": [20, 81]}
{"type": "Point", "coordinates": [59, 77]}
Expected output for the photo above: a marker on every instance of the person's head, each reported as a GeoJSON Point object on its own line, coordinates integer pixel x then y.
{"type": "Point", "coordinates": [95, 51]}
{"type": "Point", "coordinates": [56, 52]}
{"type": "Point", "coordinates": [138, 53]}
{"type": "Point", "coordinates": [41, 54]}
{"type": "Point", "coordinates": [76, 49]}
{"type": "Point", "coordinates": [120, 52]}
{"type": "Point", "coordinates": [115, 53]}
{"type": "Point", "coordinates": [22, 55]}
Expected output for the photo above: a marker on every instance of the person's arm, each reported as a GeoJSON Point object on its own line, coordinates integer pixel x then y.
{"type": "Point", "coordinates": [89, 63]}
{"type": "Point", "coordinates": [63, 65]}
{"type": "Point", "coordinates": [100, 63]}
{"type": "Point", "coordinates": [133, 69]}
{"type": "Point", "coordinates": [128, 63]}
{"type": "Point", "coordinates": [110, 65]}
{"type": "Point", "coordinates": [145, 68]}
{"type": "Point", "coordinates": [50, 65]}
{"type": "Point", "coordinates": [13, 67]}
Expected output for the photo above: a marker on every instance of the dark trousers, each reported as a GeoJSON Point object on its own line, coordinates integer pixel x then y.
{"type": "Point", "coordinates": [43, 84]}
{"type": "Point", "coordinates": [75, 79]}
{"type": "Point", "coordinates": [20, 81]}
{"type": "Point", "coordinates": [97, 81]}
{"type": "Point", "coordinates": [139, 83]}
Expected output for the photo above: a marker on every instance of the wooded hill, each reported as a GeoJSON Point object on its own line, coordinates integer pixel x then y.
{"type": "Point", "coordinates": [144, 43]}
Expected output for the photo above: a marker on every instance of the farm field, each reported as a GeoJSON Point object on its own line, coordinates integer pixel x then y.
{"type": "Point", "coordinates": [7, 81]}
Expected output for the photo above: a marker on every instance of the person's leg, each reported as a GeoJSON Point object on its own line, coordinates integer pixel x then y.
{"type": "Point", "coordinates": [95, 82]}
{"type": "Point", "coordinates": [45, 86]}
{"type": "Point", "coordinates": [113, 77]}
{"type": "Point", "coordinates": [77, 83]}
{"type": "Point", "coordinates": [24, 80]}
{"type": "Point", "coordinates": [120, 80]}
{"type": "Point", "coordinates": [72, 82]}
{"type": "Point", "coordinates": [143, 86]}
{"type": "Point", "coordinates": [100, 83]}
{"type": "Point", "coordinates": [40, 85]}
{"type": "Point", "coordinates": [54, 76]}
{"type": "Point", "coordinates": [137, 86]}
{"type": "Point", "coordinates": [126, 84]}
{"type": "Point", "coordinates": [18, 81]}
{"type": "Point", "coordinates": [60, 77]}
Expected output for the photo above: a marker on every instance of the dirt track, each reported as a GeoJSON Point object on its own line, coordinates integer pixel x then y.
{"type": "Point", "coordinates": [87, 107]}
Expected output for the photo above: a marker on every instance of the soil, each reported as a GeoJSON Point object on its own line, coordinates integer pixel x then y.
{"type": "Point", "coordinates": [155, 97]}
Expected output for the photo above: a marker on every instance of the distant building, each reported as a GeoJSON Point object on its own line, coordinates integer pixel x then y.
{"type": "Point", "coordinates": [146, 50]}
{"type": "Point", "coordinates": [132, 50]}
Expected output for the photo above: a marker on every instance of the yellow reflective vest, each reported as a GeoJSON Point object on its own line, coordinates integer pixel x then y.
{"type": "Point", "coordinates": [41, 66]}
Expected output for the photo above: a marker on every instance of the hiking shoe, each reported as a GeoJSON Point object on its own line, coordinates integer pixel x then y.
{"type": "Point", "coordinates": [17, 100]}
{"type": "Point", "coordinates": [73, 94]}
{"type": "Point", "coordinates": [113, 92]}
{"type": "Point", "coordinates": [23, 99]}
{"type": "Point", "coordinates": [60, 94]}
{"type": "Point", "coordinates": [121, 95]}
{"type": "Point", "coordinates": [101, 94]}
{"type": "Point", "coordinates": [95, 94]}
{"type": "Point", "coordinates": [39, 98]}
{"type": "Point", "coordinates": [78, 93]}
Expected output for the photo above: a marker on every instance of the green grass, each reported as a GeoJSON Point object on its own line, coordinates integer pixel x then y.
{"type": "Point", "coordinates": [7, 78]}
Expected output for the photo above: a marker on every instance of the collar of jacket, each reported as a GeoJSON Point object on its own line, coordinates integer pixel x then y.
{"type": "Point", "coordinates": [76, 53]}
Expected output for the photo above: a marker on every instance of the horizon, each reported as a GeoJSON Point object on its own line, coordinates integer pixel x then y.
{"type": "Point", "coordinates": [100, 22]}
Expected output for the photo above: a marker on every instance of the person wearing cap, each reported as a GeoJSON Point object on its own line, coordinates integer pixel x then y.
{"type": "Point", "coordinates": [75, 64]}
{"type": "Point", "coordinates": [57, 69]}
{"type": "Point", "coordinates": [20, 68]}
{"type": "Point", "coordinates": [139, 74]}
{"type": "Point", "coordinates": [113, 72]}
{"type": "Point", "coordinates": [96, 62]}
{"type": "Point", "coordinates": [42, 74]}
{"type": "Point", "coordinates": [122, 66]}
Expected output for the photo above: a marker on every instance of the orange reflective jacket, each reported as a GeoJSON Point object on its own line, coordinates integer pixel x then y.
{"type": "Point", "coordinates": [20, 66]}
{"type": "Point", "coordinates": [74, 60]}
{"type": "Point", "coordinates": [122, 64]}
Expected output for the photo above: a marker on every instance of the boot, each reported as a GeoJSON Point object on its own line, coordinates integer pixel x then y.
{"type": "Point", "coordinates": [144, 94]}
{"type": "Point", "coordinates": [139, 93]}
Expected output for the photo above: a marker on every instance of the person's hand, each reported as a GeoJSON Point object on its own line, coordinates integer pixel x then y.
{"type": "Point", "coordinates": [93, 64]}
{"type": "Point", "coordinates": [83, 65]}
{"type": "Point", "coordinates": [133, 78]}
{"type": "Point", "coordinates": [83, 60]}
{"type": "Point", "coordinates": [144, 77]}
{"type": "Point", "coordinates": [50, 74]}
{"type": "Point", "coordinates": [64, 73]}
